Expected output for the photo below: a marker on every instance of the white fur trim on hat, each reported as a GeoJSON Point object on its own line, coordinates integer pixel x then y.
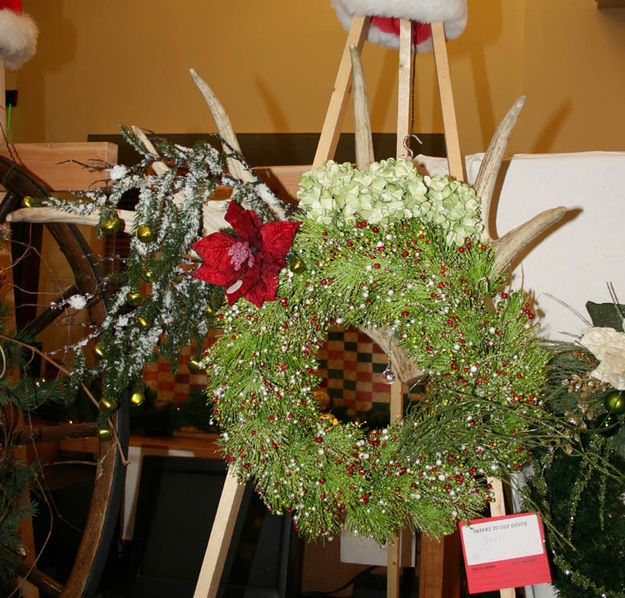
{"type": "Point", "coordinates": [18, 38]}
{"type": "Point", "coordinates": [453, 13]}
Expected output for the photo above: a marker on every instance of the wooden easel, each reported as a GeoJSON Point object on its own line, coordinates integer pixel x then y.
{"type": "Point", "coordinates": [431, 580]}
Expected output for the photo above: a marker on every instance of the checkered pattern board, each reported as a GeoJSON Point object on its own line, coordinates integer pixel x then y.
{"type": "Point", "coordinates": [351, 365]}
{"type": "Point", "coordinates": [170, 387]}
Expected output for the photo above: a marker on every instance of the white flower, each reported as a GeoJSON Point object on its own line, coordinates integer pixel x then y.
{"type": "Point", "coordinates": [608, 346]}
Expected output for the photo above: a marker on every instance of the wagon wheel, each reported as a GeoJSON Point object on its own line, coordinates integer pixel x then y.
{"type": "Point", "coordinates": [110, 472]}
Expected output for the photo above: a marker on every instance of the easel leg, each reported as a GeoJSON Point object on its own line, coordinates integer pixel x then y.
{"type": "Point", "coordinates": [454, 157]}
{"type": "Point", "coordinates": [219, 541]}
{"type": "Point", "coordinates": [394, 544]}
{"type": "Point", "coordinates": [432, 557]}
{"type": "Point", "coordinates": [338, 101]}
{"type": "Point", "coordinates": [497, 509]}
{"type": "Point", "coordinates": [393, 547]}
{"type": "Point", "coordinates": [404, 95]}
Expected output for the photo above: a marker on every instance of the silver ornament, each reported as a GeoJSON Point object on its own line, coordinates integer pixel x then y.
{"type": "Point", "coordinates": [389, 374]}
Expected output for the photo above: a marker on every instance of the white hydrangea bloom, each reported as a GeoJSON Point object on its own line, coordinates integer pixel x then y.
{"type": "Point", "coordinates": [608, 346]}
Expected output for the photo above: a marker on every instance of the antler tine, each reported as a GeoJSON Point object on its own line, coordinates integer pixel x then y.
{"type": "Point", "coordinates": [159, 167]}
{"type": "Point", "coordinates": [224, 126]}
{"type": "Point", "coordinates": [516, 241]}
{"type": "Point", "coordinates": [487, 175]}
{"type": "Point", "coordinates": [363, 138]}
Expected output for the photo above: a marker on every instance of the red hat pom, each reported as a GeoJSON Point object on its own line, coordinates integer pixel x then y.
{"type": "Point", "coordinates": [18, 34]}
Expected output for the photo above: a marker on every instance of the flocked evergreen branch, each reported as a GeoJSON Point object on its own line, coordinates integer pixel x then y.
{"type": "Point", "coordinates": [158, 305]}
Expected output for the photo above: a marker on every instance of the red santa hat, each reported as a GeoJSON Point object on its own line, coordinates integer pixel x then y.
{"type": "Point", "coordinates": [18, 34]}
{"type": "Point", "coordinates": [384, 28]}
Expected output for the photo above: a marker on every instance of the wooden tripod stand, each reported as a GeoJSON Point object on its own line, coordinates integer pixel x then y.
{"type": "Point", "coordinates": [431, 581]}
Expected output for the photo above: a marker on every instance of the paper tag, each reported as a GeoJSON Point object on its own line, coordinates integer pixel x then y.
{"type": "Point", "coordinates": [504, 552]}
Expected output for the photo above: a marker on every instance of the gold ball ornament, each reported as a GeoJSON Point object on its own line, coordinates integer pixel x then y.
{"type": "Point", "coordinates": [615, 402]}
{"type": "Point", "coordinates": [143, 323]}
{"type": "Point", "coordinates": [99, 350]}
{"type": "Point", "coordinates": [105, 433]}
{"type": "Point", "coordinates": [144, 233]}
{"type": "Point", "coordinates": [150, 276]}
{"type": "Point", "coordinates": [298, 266]}
{"type": "Point", "coordinates": [194, 365]}
{"type": "Point", "coordinates": [30, 202]}
{"type": "Point", "coordinates": [209, 310]}
{"type": "Point", "coordinates": [110, 227]}
{"type": "Point", "coordinates": [137, 398]}
{"type": "Point", "coordinates": [108, 405]}
{"type": "Point", "coordinates": [135, 298]}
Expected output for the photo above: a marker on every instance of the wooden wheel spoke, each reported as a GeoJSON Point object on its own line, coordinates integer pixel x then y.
{"type": "Point", "coordinates": [46, 585]}
{"type": "Point", "coordinates": [50, 313]}
{"type": "Point", "coordinates": [50, 433]}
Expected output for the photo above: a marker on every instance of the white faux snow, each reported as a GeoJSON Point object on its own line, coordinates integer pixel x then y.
{"type": "Point", "coordinates": [117, 172]}
{"type": "Point", "coordinates": [77, 301]}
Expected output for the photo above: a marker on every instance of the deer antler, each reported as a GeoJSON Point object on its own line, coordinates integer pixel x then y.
{"type": "Point", "coordinates": [402, 364]}
{"type": "Point", "coordinates": [224, 126]}
{"type": "Point", "coordinates": [514, 242]}
{"type": "Point", "coordinates": [237, 170]}
{"type": "Point", "coordinates": [507, 248]}
{"type": "Point", "coordinates": [362, 124]}
{"type": "Point", "coordinates": [43, 215]}
{"type": "Point", "coordinates": [213, 212]}
{"type": "Point", "coordinates": [491, 163]}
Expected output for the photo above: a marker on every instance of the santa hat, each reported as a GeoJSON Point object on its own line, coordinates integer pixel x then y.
{"type": "Point", "coordinates": [18, 34]}
{"type": "Point", "coordinates": [384, 28]}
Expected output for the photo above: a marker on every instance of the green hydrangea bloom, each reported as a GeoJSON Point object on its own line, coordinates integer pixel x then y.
{"type": "Point", "coordinates": [387, 192]}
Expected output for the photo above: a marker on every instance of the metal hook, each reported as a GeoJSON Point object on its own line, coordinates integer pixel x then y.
{"type": "Point", "coordinates": [388, 372]}
{"type": "Point", "coordinates": [405, 143]}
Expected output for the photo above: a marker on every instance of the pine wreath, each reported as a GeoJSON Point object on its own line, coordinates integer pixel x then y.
{"type": "Point", "coordinates": [378, 249]}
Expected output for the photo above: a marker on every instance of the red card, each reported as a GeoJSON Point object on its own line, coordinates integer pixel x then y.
{"type": "Point", "coordinates": [504, 552]}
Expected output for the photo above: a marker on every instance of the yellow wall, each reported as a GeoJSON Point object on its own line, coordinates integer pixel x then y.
{"type": "Point", "coordinates": [273, 62]}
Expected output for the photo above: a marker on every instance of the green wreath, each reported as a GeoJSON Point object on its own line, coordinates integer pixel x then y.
{"type": "Point", "coordinates": [378, 249]}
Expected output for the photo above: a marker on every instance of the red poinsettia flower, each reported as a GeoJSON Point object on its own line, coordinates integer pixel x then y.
{"type": "Point", "coordinates": [248, 264]}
